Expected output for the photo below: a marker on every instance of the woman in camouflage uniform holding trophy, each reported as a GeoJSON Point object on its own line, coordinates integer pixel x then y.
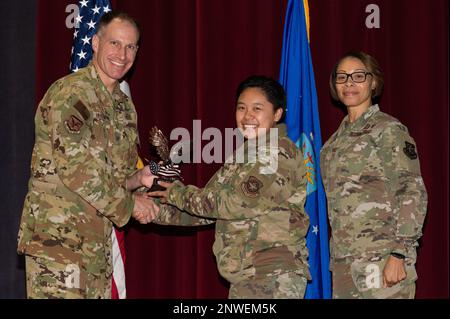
{"type": "Point", "coordinates": [376, 196]}
{"type": "Point", "coordinates": [261, 224]}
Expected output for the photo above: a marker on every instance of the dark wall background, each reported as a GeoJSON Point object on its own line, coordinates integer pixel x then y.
{"type": "Point", "coordinates": [17, 87]}
{"type": "Point", "coordinates": [192, 56]}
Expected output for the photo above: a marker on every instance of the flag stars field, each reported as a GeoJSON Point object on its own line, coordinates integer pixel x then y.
{"type": "Point", "coordinates": [96, 10]}
{"type": "Point", "coordinates": [91, 24]}
{"type": "Point", "coordinates": [86, 40]}
{"type": "Point", "coordinates": [82, 54]}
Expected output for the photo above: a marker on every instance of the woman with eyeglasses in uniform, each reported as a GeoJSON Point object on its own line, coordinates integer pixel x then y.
{"type": "Point", "coordinates": [376, 197]}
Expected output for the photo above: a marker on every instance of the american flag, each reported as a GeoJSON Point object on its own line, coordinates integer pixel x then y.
{"type": "Point", "coordinates": [90, 12]}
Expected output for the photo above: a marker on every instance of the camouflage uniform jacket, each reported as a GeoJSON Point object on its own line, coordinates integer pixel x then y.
{"type": "Point", "coordinates": [85, 147]}
{"type": "Point", "coordinates": [376, 196]}
{"type": "Point", "coordinates": [261, 223]}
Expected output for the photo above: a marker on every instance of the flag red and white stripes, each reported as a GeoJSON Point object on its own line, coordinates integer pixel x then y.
{"type": "Point", "coordinates": [119, 290]}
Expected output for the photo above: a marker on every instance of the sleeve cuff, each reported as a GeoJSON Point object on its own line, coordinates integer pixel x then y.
{"type": "Point", "coordinates": [128, 207]}
{"type": "Point", "coordinates": [175, 196]}
{"type": "Point", "coordinates": [401, 248]}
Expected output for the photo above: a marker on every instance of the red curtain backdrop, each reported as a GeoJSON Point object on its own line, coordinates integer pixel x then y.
{"type": "Point", "coordinates": [192, 56]}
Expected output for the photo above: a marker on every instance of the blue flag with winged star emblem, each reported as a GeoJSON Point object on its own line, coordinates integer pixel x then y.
{"type": "Point", "coordinates": [302, 120]}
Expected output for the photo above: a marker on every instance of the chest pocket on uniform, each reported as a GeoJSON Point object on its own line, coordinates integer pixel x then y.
{"type": "Point", "coordinates": [130, 131]}
{"type": "Point", "coordinates": [133, 140]}
{"type": "Point", "coordinates": [99, 136]}
{"type": "Point", "coordinates": [125, 134]}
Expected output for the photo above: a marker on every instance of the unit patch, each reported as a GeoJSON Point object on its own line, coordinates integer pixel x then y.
{"type": "Point", "coordinates": [410, 150]}
{"type": "Point", "coordinates": [251, 186]}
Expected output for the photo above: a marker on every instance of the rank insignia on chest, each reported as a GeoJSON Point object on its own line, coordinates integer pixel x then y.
{"type": "Point", "coordinates": [73, 124]}
{"type": "Point", "coordinates": [410, 150]}
{"type": "Point", "coordinates": [251, 186]}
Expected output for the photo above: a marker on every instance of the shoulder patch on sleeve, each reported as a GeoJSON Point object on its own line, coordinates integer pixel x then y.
{"type": "Point", "coordinates": [82, 109]}
{"type": "Point", "coordinates": [73, 124]}
{"type": "Point", "coordinates": [251, 186]}
{"type": "Point", "coordinates": [287, 148]}
{"type": "Point", "coordinates": [410, 150]}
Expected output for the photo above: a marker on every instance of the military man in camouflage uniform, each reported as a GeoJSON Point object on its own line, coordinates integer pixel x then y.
{"type": "Point", "coordinates": [261, 224]}
{"type": "Point", "coordinates": [376, 196]}
{"type": "Point", "coordinates": [82, 172]}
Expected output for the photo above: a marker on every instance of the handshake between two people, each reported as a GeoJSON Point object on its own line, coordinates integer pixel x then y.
{"type": "Point", "coordinates": [145, 208]}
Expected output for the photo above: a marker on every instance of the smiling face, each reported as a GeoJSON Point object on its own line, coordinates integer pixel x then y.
{"type": "Point", "coordinates": [351, 94]}
{"type": "Point", "coordinates": [115, 48]}
{"type": "Point", "coordinates": [254, 111]}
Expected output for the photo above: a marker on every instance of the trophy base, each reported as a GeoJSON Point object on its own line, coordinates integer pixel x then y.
{"type": "Point", "coordinates": [156, 187]}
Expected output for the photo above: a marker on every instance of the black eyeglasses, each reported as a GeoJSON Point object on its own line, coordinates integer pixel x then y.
{"type": "Point", "coordinates": [357, 77]}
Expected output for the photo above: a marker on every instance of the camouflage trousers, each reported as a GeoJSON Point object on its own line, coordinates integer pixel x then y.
{"type": "Point", "coordinates": [364, 280]}
{"type": "Point", "coordinates": [47, 279]}
{"type": "Point", "coordinates": [285, 286]}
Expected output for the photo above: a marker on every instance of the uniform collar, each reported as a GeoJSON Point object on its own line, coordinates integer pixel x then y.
{"type": "Point", "coordinates": [117, 94]}
{"type": "Point", "coordinates": [282, 131]}
{"type": "Point", "coordinates": [361, 122]}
